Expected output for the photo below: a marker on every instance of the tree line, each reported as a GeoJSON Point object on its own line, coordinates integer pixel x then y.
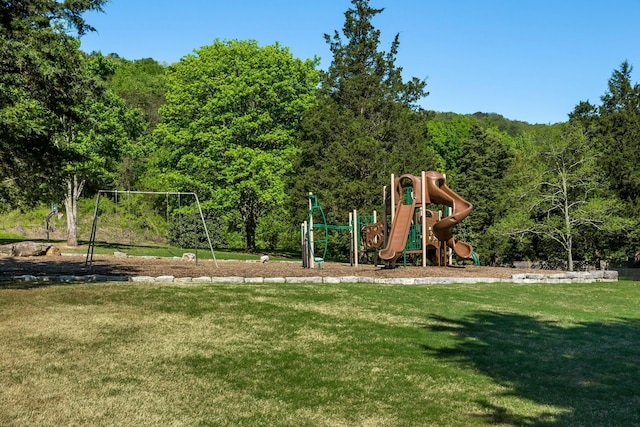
{"type": "Point", "coordinates": [253, 129]}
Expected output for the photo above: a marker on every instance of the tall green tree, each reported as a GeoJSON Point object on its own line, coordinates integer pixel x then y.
{"type": "Point", "coordinates": [140, 83]}
{"type": "Point", "coordinates": [229, 126]}
{"type": "Point", "coordinates": [365, 125]}
{"type": "Point", "coordinates": [109, 131]}
{"type": "Point", "coordinates": [614, 130]}
{"type": "Point", "coordinates": [481, 179]}
{"type": "Point", "coordinates": [41, 84]}
{"type": "Point", "coordinates": [447, 134]}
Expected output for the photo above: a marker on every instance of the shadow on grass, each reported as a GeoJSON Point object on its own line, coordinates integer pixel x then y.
{"type": "Point", "coordinates": [589, 371]}
{"type": "Point", "coordinates": [56, 266]}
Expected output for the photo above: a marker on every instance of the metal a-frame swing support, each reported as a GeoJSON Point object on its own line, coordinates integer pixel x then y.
{"type": "Point", "coordinates": [92, 240]}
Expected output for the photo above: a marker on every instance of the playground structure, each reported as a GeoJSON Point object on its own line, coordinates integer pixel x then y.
{"type": "Point", "coordinates": [315, 235]}
{"type": "Point", "coordinates": [407, 228]}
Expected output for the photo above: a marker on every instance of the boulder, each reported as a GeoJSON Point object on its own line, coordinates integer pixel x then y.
{"type": "Point", "coordinates": [30, 249]}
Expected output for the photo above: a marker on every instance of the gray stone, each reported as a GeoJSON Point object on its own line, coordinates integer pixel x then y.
{"type": "Point", "coordinates": [164, 279]}
{"type": "Point", "coordinates": [229, 279]}
{"type": "Point", "coordinates": [201, 279]}
{"type": "Point", "coordinates": [142, 279]}
{"type": "Point", "coordinates": [557, 276]}
{"type": "Point", "coordinates": [312, 279]}
{"type": "Point", "coordinates": [432, 280]}
{"type": "Point", "coordinates": [577, 274]}
{"type": "Point", "coordinates": [401, 281]}
{"type": "Point", "coordinates": [112, 278]}
{"type": "Point", "coordinates": [23, 249]}
{"type": "Point", "coordinates": [70, 278]}
{"type": "Point", "coordinates": [348, 279]}
{"type": "Point", "coordinates": [596, 274]}
{"type": "Point", "coordinates": [26, 277]}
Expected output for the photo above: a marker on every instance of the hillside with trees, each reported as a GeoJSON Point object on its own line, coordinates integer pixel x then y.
{"type": "Point", "coordinates": [253, 129]}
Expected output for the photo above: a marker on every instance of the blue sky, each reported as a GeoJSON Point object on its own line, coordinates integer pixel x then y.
{"type": "Point", "coordinates": [529, 60]}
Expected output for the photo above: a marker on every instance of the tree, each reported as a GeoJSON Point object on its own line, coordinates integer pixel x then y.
{"type": "Point", "coordinates": [228, 129]}
{"type": "Point", "coordinates": [365, 125]}
{"type": "Point", "coordinates": [447, 134]}
{"type": "Point", "coordinates": [486, 158]}
{"type": "Point", "coordinates": [361, 78]}
{"type": "Point", "coordinates": [562, 195]}
{"type": "Point", "coordinates": [613, 128]}
{"type": "Point", "coordinates": [40, 86]}
{"type": "Point", "coordinates": [94, 146]}
{"type": "Point", "coordinates": [141, 84]}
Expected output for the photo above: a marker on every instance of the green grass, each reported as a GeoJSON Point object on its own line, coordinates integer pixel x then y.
{"type": "Point", "coordinates": [320, 355]}
{"type": "Point", "coordinates": [6, 237]}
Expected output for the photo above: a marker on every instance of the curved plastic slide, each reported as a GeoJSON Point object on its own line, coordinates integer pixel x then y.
{"type": "Point", "coordinates": [399, 232]}
{"type": "Point", "coordinates": [460, 208]}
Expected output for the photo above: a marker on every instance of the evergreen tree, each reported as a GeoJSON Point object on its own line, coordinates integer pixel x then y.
{"type": "Point", "coordinates": [483, 166]}
{"type": "Point", "coordinates": [614, 132]}
{"type": "Point", "coordinates": [364, 126]}
{"type": "Point", "coordinates": [42, 81]}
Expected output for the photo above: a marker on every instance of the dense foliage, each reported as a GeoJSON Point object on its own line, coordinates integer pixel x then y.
{"type": "Point", "coordinates": [229, 124]}
{"type": "Point", "coordinates": [252, 130]}
{"type": "Point", "coordinates": [42, 84]}
{"type": "Point", "coordinates": [364, 125]}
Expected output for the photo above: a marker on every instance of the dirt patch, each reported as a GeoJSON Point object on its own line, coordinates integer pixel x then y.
{"type": "Point", "coordinates": [154, 267]}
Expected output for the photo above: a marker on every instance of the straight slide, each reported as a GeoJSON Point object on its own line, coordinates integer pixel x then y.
{"type": "Point", "coordinates": [399, 232]}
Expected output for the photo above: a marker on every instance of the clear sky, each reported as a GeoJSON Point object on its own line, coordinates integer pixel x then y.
{"type": "Point", "coordinates": [529, 60]}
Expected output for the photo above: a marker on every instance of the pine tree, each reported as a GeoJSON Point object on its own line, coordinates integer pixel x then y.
{"type": "Point", "coordinates": [365, 125]}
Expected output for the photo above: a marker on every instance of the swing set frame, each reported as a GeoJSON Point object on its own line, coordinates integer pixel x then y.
{"type": "Point", "coordinates": [94, 228]}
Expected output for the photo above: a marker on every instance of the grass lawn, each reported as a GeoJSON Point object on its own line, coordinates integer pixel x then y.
{"type": "Point", "coordinates": [320, 355]}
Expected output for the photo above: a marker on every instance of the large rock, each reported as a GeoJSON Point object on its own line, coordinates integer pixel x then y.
{"type": "Point", "coordinates": [30, 249]}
